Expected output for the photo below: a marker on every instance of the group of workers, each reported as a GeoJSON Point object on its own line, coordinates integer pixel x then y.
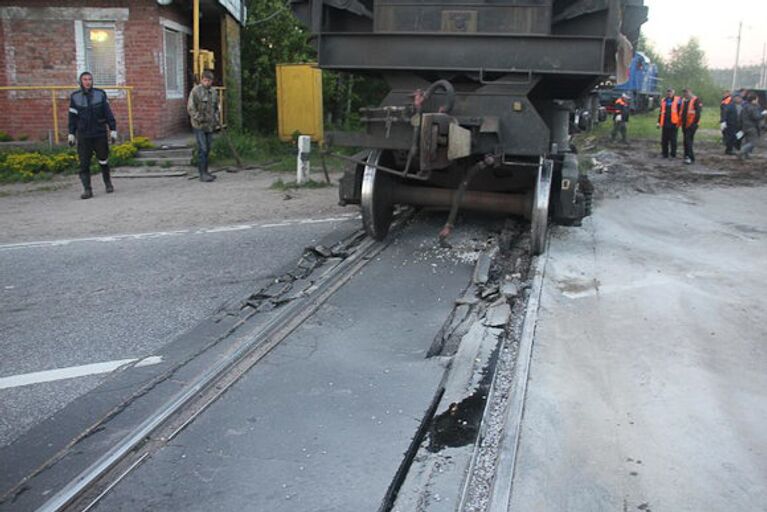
{"type": "Point", "coordinates": [679, 112]}
{"type": "Point", "coordinates": [741, 118]}
{"type": "Point", "coordinates": [90, 116]}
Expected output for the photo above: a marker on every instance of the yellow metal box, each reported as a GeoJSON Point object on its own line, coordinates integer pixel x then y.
{"type": "Point", "coordinates": [299, 101]}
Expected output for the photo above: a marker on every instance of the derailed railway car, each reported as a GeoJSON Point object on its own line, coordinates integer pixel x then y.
{"type": "Point", "coordinates": [479, 108]}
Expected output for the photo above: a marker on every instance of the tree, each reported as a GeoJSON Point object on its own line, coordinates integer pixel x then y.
{"type": "Point", "coordinates": [687, 68]}
{"type": "Point", "coordinates": [271, 36]}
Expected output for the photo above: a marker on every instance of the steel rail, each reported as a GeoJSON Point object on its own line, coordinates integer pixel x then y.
{"type": "Point", "coordinates": [259, 343]}
{"type": "Point", "coordinates": [505, 466]}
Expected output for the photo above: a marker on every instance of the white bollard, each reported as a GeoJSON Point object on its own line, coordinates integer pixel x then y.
{"type": "Point", "coordinates": [302, 160]}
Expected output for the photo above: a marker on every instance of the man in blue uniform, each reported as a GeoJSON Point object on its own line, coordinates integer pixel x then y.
{"type": "Point", "coordinates": [89, 116]}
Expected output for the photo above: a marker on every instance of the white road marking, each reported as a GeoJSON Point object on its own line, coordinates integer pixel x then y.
{"type": "Point", "coordinates": [148, 361]}
{"type": "Point", "coordinates": [159, 234]}
{"type": "Point", "coordinates": [26, 379]}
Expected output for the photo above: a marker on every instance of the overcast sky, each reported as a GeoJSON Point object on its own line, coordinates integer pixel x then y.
{"type": "Point", "coordinates": [673, 22]}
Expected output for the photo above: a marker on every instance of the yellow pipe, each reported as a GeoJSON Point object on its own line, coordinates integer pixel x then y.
{"type": "Point", "coordinates": [130, 115]}
{"type": "Point", "coordinates": [58, 87]}
{"type": "Point", "coordinates": [54, 103]}
{"type": "Point", "coordinates": [55, 117]}
{"type": "Point", "coordinates": [196, 40]}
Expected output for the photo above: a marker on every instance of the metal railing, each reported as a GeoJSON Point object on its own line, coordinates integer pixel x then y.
{"type": "Point", "coordinates": [54, 100]}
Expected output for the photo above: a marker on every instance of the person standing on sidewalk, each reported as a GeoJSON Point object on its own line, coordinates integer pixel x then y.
{"type": "Point", "coordinates": [692, 108]}
{"type": "Point", "coordinates": [668, 121]}
{"type": "Point", "coordinates": [203, 111]}
{"type": "Point", "coordinates": [621, 118]}
{"type": "Point", "coordinates": [89, 116]}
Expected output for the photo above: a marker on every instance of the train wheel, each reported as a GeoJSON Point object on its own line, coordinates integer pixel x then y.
{"type": "Point", "coordinates": [376, 198]}
{"type": "Point", "coordinates": [540, 214]}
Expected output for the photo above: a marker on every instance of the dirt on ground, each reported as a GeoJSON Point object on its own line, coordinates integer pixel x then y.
{"type": "Point", "coordinates": [53, 210]}
{"type": "Point", "coordinates": [638, 168]}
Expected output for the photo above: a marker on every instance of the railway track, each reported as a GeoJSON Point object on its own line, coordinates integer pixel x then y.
{"type": "Point", "coordinates": [478, 345]}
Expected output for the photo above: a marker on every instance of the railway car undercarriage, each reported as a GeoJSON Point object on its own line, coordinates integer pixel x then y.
{"type": "Point", "coordinates": [481, 92]}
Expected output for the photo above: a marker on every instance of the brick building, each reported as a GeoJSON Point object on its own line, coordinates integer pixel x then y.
{"type": "Point", "coordinates": [145, 44]}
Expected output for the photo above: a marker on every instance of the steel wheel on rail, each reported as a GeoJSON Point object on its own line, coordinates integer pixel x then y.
{"type": "Point", "coordinates": [540, 214]}
{"type": "Point", "coordinates": [376, 197]}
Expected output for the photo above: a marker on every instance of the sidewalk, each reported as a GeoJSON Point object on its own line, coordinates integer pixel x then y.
{"type": "Point", "coordinates": [53, 210]}
{"type": "Point", "coordinates": [648, 388]}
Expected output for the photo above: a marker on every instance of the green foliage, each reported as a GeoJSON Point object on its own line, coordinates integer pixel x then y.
{"type": "Point", "coordinates": [268, 41]}
{"type": "Point", "coordinates": [644, 127]}
{"type": "Point", "coordinates": [22, 166]}
{"type": "Point", "coordinates": [142, 143]}
{"type": "Point", "coordinates": [4, 137]}
{"type": "Point", "coordinates": [687, 68]}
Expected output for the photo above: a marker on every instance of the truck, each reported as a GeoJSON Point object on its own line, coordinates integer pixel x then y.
{"type": "Point", "coordinates": [642, 86]}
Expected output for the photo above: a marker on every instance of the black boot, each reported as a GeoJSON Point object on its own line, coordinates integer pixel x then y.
{"type": "Point", "coordinates": [206, 177]}
{"type": "Point", "coordinates": [107, 179]}
{"type": "Point", "coordinates": [85, 179]}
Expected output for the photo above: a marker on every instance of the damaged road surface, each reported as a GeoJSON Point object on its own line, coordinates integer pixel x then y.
{"type": "Point", "coordinates": [319, 390]}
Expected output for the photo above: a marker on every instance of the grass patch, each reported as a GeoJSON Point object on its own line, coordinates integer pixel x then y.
{"type": "Point", "coordinates": [644, 127]}
{"type": "Point", "coordinates": [281, 185]}
{"type": "Point", "coordinates": [267, 152]}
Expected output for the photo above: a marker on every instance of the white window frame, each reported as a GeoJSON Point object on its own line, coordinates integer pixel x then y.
{"type": "Point", "coordinates": [168, 25]}
{"type": "Point", "coordinates": [81, 27]}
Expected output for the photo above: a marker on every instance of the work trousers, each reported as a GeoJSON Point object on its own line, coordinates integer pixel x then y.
{"type": "Point", "coordinates": [731, 141]}
{"type": "Point", "coordinates": [619, 127]}
{"type": "Point", "coordinates": [86, 146]}
{"type": "Point", "coordinates": [204, 142]}
{"type": "Point", "coordinates": [751, 139]}
{"type": "Point", "coordinates": [668, 141]}
{"type": "Point", "coordinates": [689, 141]}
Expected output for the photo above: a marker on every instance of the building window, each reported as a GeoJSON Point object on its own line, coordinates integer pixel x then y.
{"type": "Point", "coordinates": [174, 63]}
{"type": "Point", "coordinates": [100, 53]}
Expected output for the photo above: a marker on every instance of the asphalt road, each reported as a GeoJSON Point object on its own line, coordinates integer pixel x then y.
{"type": "Point", "coordinates": [73, 303]}
{"type": "Point", "coordinates": [323, 421]}
{"type": "Point", "coordinates": [647, 382]}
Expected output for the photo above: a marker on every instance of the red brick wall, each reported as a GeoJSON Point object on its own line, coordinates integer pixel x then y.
{"type": "Point", "coordinates": [45, 54]}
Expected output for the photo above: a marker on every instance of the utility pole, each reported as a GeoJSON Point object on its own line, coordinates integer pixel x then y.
{"type": "Point", "coordinates": [763, 76]}
{"type": "Point", "coordinates": [737, 58]}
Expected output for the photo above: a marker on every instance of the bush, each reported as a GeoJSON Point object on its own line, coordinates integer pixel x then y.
{"type": "Point", "coordinates": [31, 166]}
{"type": "Point", "coordinates": [40, 165]}
{"type": "Point", "coordinates": [4, 137]}
{"type": "Point", "coordinates": [122, 153]}
{"type": "Point", "coordinates": [142, 143]}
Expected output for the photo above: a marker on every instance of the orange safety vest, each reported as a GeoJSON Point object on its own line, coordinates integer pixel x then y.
{"type": "Point", "coordinates": [675, 119]}
{"type": "Point", "coordinates": [689, 120]}
{"type": "Point", "coordinates": [620, 101]}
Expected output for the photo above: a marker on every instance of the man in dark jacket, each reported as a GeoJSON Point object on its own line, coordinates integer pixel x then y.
{"type": "Point", "coordinates": [89, 115]}
{"type": "Point", "coordinates": [752, 117]}
{"type": "Point", "coordinates": [692, 108]}
{"type": "Point", "coordinates": [732, 124]}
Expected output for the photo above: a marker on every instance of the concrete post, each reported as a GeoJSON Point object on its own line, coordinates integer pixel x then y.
{"type": "Point", "coordinates": [302, 160]}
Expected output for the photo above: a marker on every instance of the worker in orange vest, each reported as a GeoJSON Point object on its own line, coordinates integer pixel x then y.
{"type": "Point", "coordinates": [728, 135]}
{"type": "Point", "coordinates": [669, 121]}
{"type": "Point", "coordinates": [621, 118]}
{"type": "Point", "coordinates": [692, 108]}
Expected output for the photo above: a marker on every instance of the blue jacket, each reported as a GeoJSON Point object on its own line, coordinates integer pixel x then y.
{"type": "Point", "coordinates": [89, 113]}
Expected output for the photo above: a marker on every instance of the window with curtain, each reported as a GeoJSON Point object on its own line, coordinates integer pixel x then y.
{"type": "Point", "coordinates": [100, 54]}
{"type": "Point", "coordinates": [174, 63]}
